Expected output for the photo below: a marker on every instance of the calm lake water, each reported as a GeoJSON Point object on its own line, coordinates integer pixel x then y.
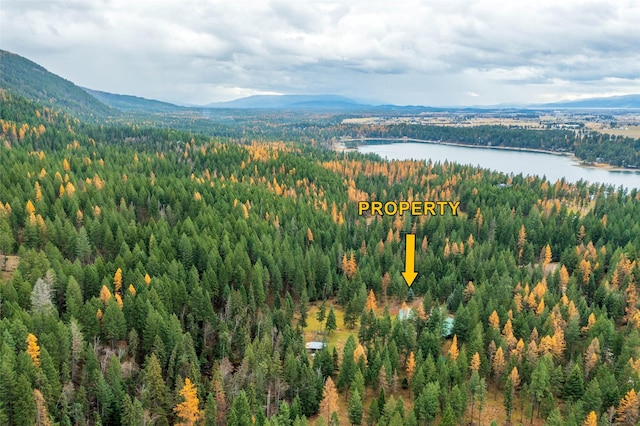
{"type": "Point", "coordinates": [553, 167]}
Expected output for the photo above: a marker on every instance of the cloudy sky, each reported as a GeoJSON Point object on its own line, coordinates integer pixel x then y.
{"type": "Point", "coordinates": [430, 52]}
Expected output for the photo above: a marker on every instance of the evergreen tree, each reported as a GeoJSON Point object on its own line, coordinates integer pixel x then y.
{"type": "Point", "coordinates": [331, 324]}
{"type": "Point", "coordinates": [355, 408]}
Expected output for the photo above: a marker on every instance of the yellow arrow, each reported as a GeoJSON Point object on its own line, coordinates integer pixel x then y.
{"type": "Point", "coordinates": [409, 273]}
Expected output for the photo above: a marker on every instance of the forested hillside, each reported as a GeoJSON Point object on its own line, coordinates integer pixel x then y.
{"type": "Point", "coordinates": [29, 79]}
{"type": "Point", "coordinates": [167, 277]}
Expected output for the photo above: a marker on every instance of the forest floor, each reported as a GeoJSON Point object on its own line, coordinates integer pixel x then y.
{"type": "Point", "coordinates": [12, 264]}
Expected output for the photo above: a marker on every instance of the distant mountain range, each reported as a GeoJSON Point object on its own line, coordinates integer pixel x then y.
{"type": "Point", "coordinates": [290, 102]}
{"type": "Point", "coordinates": [611, 102]}
{"type": "Point", "coordinates": [26, 78]}
{"type": "Point", "coordinates": [132, 103]}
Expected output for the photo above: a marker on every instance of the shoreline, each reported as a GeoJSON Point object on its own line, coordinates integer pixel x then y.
{"type": "Point", "coordinates": [571, 155]}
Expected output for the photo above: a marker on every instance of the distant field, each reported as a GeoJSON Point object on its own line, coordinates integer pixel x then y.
{"type": "Point", "coordinates": [631, 132]}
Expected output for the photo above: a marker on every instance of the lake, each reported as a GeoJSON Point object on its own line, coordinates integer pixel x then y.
{"type": "Point", "coordinates": [553, 167]}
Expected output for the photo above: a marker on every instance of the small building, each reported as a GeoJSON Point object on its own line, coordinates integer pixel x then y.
{"type": "Point", "coordinates": [404, 313]}
{"type": "Point", "coordinates": [314, 347]}
{"type": "Point", "coordinates": [447, 327]}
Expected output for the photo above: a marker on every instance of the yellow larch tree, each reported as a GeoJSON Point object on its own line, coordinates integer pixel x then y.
{"type": "Point", "coordinates": [591, 420]}
{"type": "Point", "coordinates": [371, 302]}
{"type": "Point", "coordinates": [42, 415]}
{"type": "Point", "coordinates": [522, 239]}
{"type": "Point", "coordinates": [475, 362]}
{"type": "Point", "coordinates": [187, 410]}
{"type": "Point", "coordinates": [498, 364]}
{"type": "Point", "coordinates": [590, 323]}
{"type": "Point", "coordinates": [591, 355]}
{"type": "Point", "coordinates": [117, 281]}
{"type": "Point", "coordinates": [147, 279]}
{"type": "Point", "coordinates": [494, 320]}
{"type": "Point", "coordinates": [507, 332]}
{"type": "Point", "coordinates": [411, 366]}
{"type": "Point", "coordinates": [453, 350]}
{"type": "Point", "coordinates": [329, 402]}
{"type": "Point", "coordinates": [132, 290]}
{"type": "Point", "coordinates": [424, 245]}
{"type": "Point", "coordinates": [627, 412]}
{"type": "Point", "coordinates": [359, 353]}
{"type": "Point", "coordinates": [33, 349]}
{"type": "Point", "coordinates": [105, 294]}
{"type": "Point", "coordinates": [632, 301]}
{"type": "Point", "coordinates": [547, 255]}
{"type": "Point", "coordinates": [30, 208]}
{"type": "Point", "coordinates": [564, 278]}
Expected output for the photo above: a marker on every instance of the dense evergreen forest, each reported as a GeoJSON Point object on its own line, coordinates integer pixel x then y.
{"type": "Point", "coordinates": [158, 276]}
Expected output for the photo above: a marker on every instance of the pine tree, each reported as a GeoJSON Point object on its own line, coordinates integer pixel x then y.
{"type": "Point", "coordinates": [355, 408]}
{"type": "Point", "coordinates": [331, 324]}
{"type": "Point", "coordinates": [210, 411]}
{"type": "Point", "coordinates": [155, 396]}
{"type": "Point", "coordinates": [187, 410]}
{"type": "Point", "coordinates": [24, 407]}
{"type": "Point", "coordinates": [240, 413]}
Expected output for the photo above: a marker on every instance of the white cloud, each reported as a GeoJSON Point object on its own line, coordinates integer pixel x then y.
{"type": "Point", "coordinates": [418, 52]}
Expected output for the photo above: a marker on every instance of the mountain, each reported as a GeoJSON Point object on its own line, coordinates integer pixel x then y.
{"type": "Point", "coordinates": [132, 103]}
{"type": "Point", "coordinates": [611, 102]}
{"type": "Point", "coordinates": [323, 102]}
{"type": "Point", "coordinates": [26, 78]}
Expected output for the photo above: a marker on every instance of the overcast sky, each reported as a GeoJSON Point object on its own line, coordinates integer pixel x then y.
{"type": "Point", "coordinates": [430, 52]}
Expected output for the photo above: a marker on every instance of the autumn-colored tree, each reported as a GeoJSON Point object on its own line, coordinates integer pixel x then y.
{"type": "Point", "coordinates": [33, 349]}
{"type": "Point", "coordinates": [309, 235]}
{"type": "Point", "coordinates": [591, 355]}
{"type": "Point", "coordinates": [411, 366]}
{"type": "Point", "coordinates": [42, 415]}
{"type": "Point", "coordinates": [547, 255]}
{"type": "Point", "coordinates": [117, 281]}
{"type": "Point", "coordinates": [507, 332]}
{"type": "Point", "coordinates": [105, 294]}
{"type": "Point", "coordinates": [469, 291]}
{"type": "Point", "coordinates": [425, 244]}
{"type": "Point", "coordinates": [494, 321]}
{"type": "Point", "coordinates": [371, 302]}
{"type": "Point", "coordinates": [147, 279]}
{"type": "Point", "coordinates": [453, 350]}
{"type": "Point", "coordinates": [359, 353]}
{"type": "Point", "coordinates": [564, 278]}
{"type": "Point", "coordinates": [386, 281]}
{"type": "Point", "coordinates": [591, 419]}
{"type": "Point", "coordinates": [522, 239]}
{"type": "Point", "coordinates": [498, 367]}
{"type": "Point", "coordinates": [632, 301]}
{"type": "Point", "coordinates": [329, 403]}
{"type": "Point", "coordinates": [628, 410]}
{"type": "Point", "coordinates": [187, 410]}
{"type": "Point", "coordinates": [475, 362]}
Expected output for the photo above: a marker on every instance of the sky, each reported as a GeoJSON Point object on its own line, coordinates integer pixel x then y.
{"type": "Point", "coordinates": [405, 52]}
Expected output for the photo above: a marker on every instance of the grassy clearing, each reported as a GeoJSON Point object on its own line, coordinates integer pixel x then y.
{"type": "Point", "coordinates": [12, 265]}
